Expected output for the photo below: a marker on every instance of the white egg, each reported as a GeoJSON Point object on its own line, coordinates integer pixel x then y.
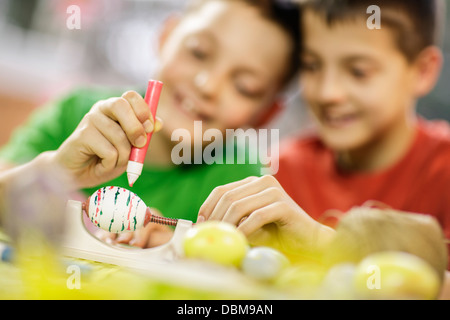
{"type": "Point", "coordinates": [338, 283]}
{"type": "Point", "coordinates": [263, 263]}
{"type": "Point", "coordinates": [117, 210]}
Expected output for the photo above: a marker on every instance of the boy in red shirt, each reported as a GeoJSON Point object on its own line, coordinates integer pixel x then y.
{"type": "Point", "coordinates": [361, 83]}
{"type": "Point", "coordinates": [361, 86]}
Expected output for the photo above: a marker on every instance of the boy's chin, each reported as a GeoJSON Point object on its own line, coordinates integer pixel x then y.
{"type": "Point", "coordinates": [342, 144]}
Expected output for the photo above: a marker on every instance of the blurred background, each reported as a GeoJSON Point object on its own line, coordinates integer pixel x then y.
{"type": "Point", "coordinates": [41, 57]}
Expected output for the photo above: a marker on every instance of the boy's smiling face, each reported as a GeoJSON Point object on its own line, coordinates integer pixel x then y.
{"type": "Point", "coordinates": [357, 84]}
{"type": "Point", "coordinates": [223, 63]}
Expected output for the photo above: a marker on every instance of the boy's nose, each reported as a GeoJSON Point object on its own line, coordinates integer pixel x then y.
{"type": "Point", "coordinates": [208, 84]}
{"type": "Point", "coordinates": [201, 79]}
{"type": "Point", "coordinates": [330, 89]}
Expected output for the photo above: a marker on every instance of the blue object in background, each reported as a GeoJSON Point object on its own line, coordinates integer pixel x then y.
{"type": "Point", "coordinates": [6, 252]}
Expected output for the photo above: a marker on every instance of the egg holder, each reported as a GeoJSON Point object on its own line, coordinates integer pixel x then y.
{"type": "Point", "coordinates": [78, 242]}
{"type": "Point", "coordinates": [164, 262]}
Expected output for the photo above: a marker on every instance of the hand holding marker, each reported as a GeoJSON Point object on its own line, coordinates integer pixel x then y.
{"type": "Point", "coordinates": [137, 156]}
{"type": "Point", "coordinates": [116, 209]}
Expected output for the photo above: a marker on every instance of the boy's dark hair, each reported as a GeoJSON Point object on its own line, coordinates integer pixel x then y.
{"type": "Point", "coordinates": [284, 13]}
{"type": "Point", "coordinates": [417, 24]}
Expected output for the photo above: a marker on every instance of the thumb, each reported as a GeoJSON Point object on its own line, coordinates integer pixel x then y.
{"type": "Point", "coordinates": [158, 124]}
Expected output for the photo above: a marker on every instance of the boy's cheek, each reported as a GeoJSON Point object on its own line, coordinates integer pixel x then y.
{"type": "Point", "coordinates": [236, 117]}
{"type": "Point", "coordinates": [175, 68]}
{"type": "Point", "coordinates": [309, 94]}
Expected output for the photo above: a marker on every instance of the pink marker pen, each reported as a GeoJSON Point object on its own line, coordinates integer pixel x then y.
{"type": "Point", "coordinates": [137, 156]}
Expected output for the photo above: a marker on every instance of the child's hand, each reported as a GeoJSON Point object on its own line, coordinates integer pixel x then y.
{"type": "Point", "coordinates": [99, 148]}
{"type": "Point", "coordinates": [152, 235]}
{"type": "Point", "coordinates": [264, 212]}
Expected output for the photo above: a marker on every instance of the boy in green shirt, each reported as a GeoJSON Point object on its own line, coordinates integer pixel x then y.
{"type": "Point", "coordinates": [216, 68]}
{"type": "Point", "coordinates": [48, 128]}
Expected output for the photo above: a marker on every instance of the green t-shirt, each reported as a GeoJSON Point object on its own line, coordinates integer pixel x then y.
{"type": "Point", "coordinates": [177, 192]}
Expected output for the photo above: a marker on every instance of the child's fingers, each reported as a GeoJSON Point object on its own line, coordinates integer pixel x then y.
{"type": "Point", "coordinates": [120, 110]}
{"type": "Point", "coordinates": [153, 234]}
{"type": "Point", "coordinates": [105, 151]}
{"type": "Point", "coordinates": [137, 240]}
{"type": "Point", "coordinates": [139, 106]}
{"type": "Point", "coordinates": [158, 124]}
{"type": "Point", "coordinates": [141, 110]}
{"type": "Point", "coordinates": [159, 237]}
{"type": "Point", "coordinates": [125, 238]}
{"type": "Point", "coordinates": [262, 217]}
{"type": "Point", "coordinates": [142, 236]}
{"type": "Point", "coordinates": [112, 131]}
{"type": "Point", "coordinates": [215, 196]}
{"type": "Point", "coordinates": [105, 236]}
{"type": "Point", "coordinates": [244, 207]}
{"type": "Point", "coordinates": [229, 199]}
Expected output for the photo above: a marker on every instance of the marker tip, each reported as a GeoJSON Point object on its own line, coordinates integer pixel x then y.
{"type": "Point", "coordinates": [131, 179]}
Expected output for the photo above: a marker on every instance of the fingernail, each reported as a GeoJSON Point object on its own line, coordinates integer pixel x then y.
{"type": "Point", "coordinates": [109, 240]}
{"type": "Point", "coordinates": [158, 126]}
{"type": "Point", "coordinates": [148, 126]}
{"type": "Point", "coordinates": [242, 220]}
{"type": "Point", "coordinates": [140, 142]}
{"type": "Point", "coordinates": [200, 219]}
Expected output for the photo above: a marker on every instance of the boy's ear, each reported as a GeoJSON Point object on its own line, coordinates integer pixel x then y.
{"type": "Point", "coordinates": [428, 65]}
{"type": "Point", "coordinates": [168, 26]}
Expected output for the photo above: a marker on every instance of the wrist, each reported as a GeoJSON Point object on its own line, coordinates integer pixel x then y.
{"type": "Point", "coordinates": [324, 237]}
{"type": "Point", "coordinates": [312, 240]}
{"type": "Point", "coordinates": [48, 161]}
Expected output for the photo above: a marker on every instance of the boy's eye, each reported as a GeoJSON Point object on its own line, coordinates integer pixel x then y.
{"type": "Point", "coordinates": [199, 54]}
{"type": "Point", "coordinates": [359, 73]}
{"type": "Point", "coordinates": [247, 92]}
{"type": "Point", "coordinates": [197, 48]}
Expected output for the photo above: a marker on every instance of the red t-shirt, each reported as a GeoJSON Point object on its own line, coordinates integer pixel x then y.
{"type": "Point", "coordinates": [419, 182]}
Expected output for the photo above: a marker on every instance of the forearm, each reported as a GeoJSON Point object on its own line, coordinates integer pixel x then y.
{"type": "Point", "coordinates": [10, 172]}
{"type": "Point", "coordinates": [13, 176]}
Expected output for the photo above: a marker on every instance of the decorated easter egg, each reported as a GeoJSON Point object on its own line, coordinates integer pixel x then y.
{"type": "Point", "coordinates": [117, 210]}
